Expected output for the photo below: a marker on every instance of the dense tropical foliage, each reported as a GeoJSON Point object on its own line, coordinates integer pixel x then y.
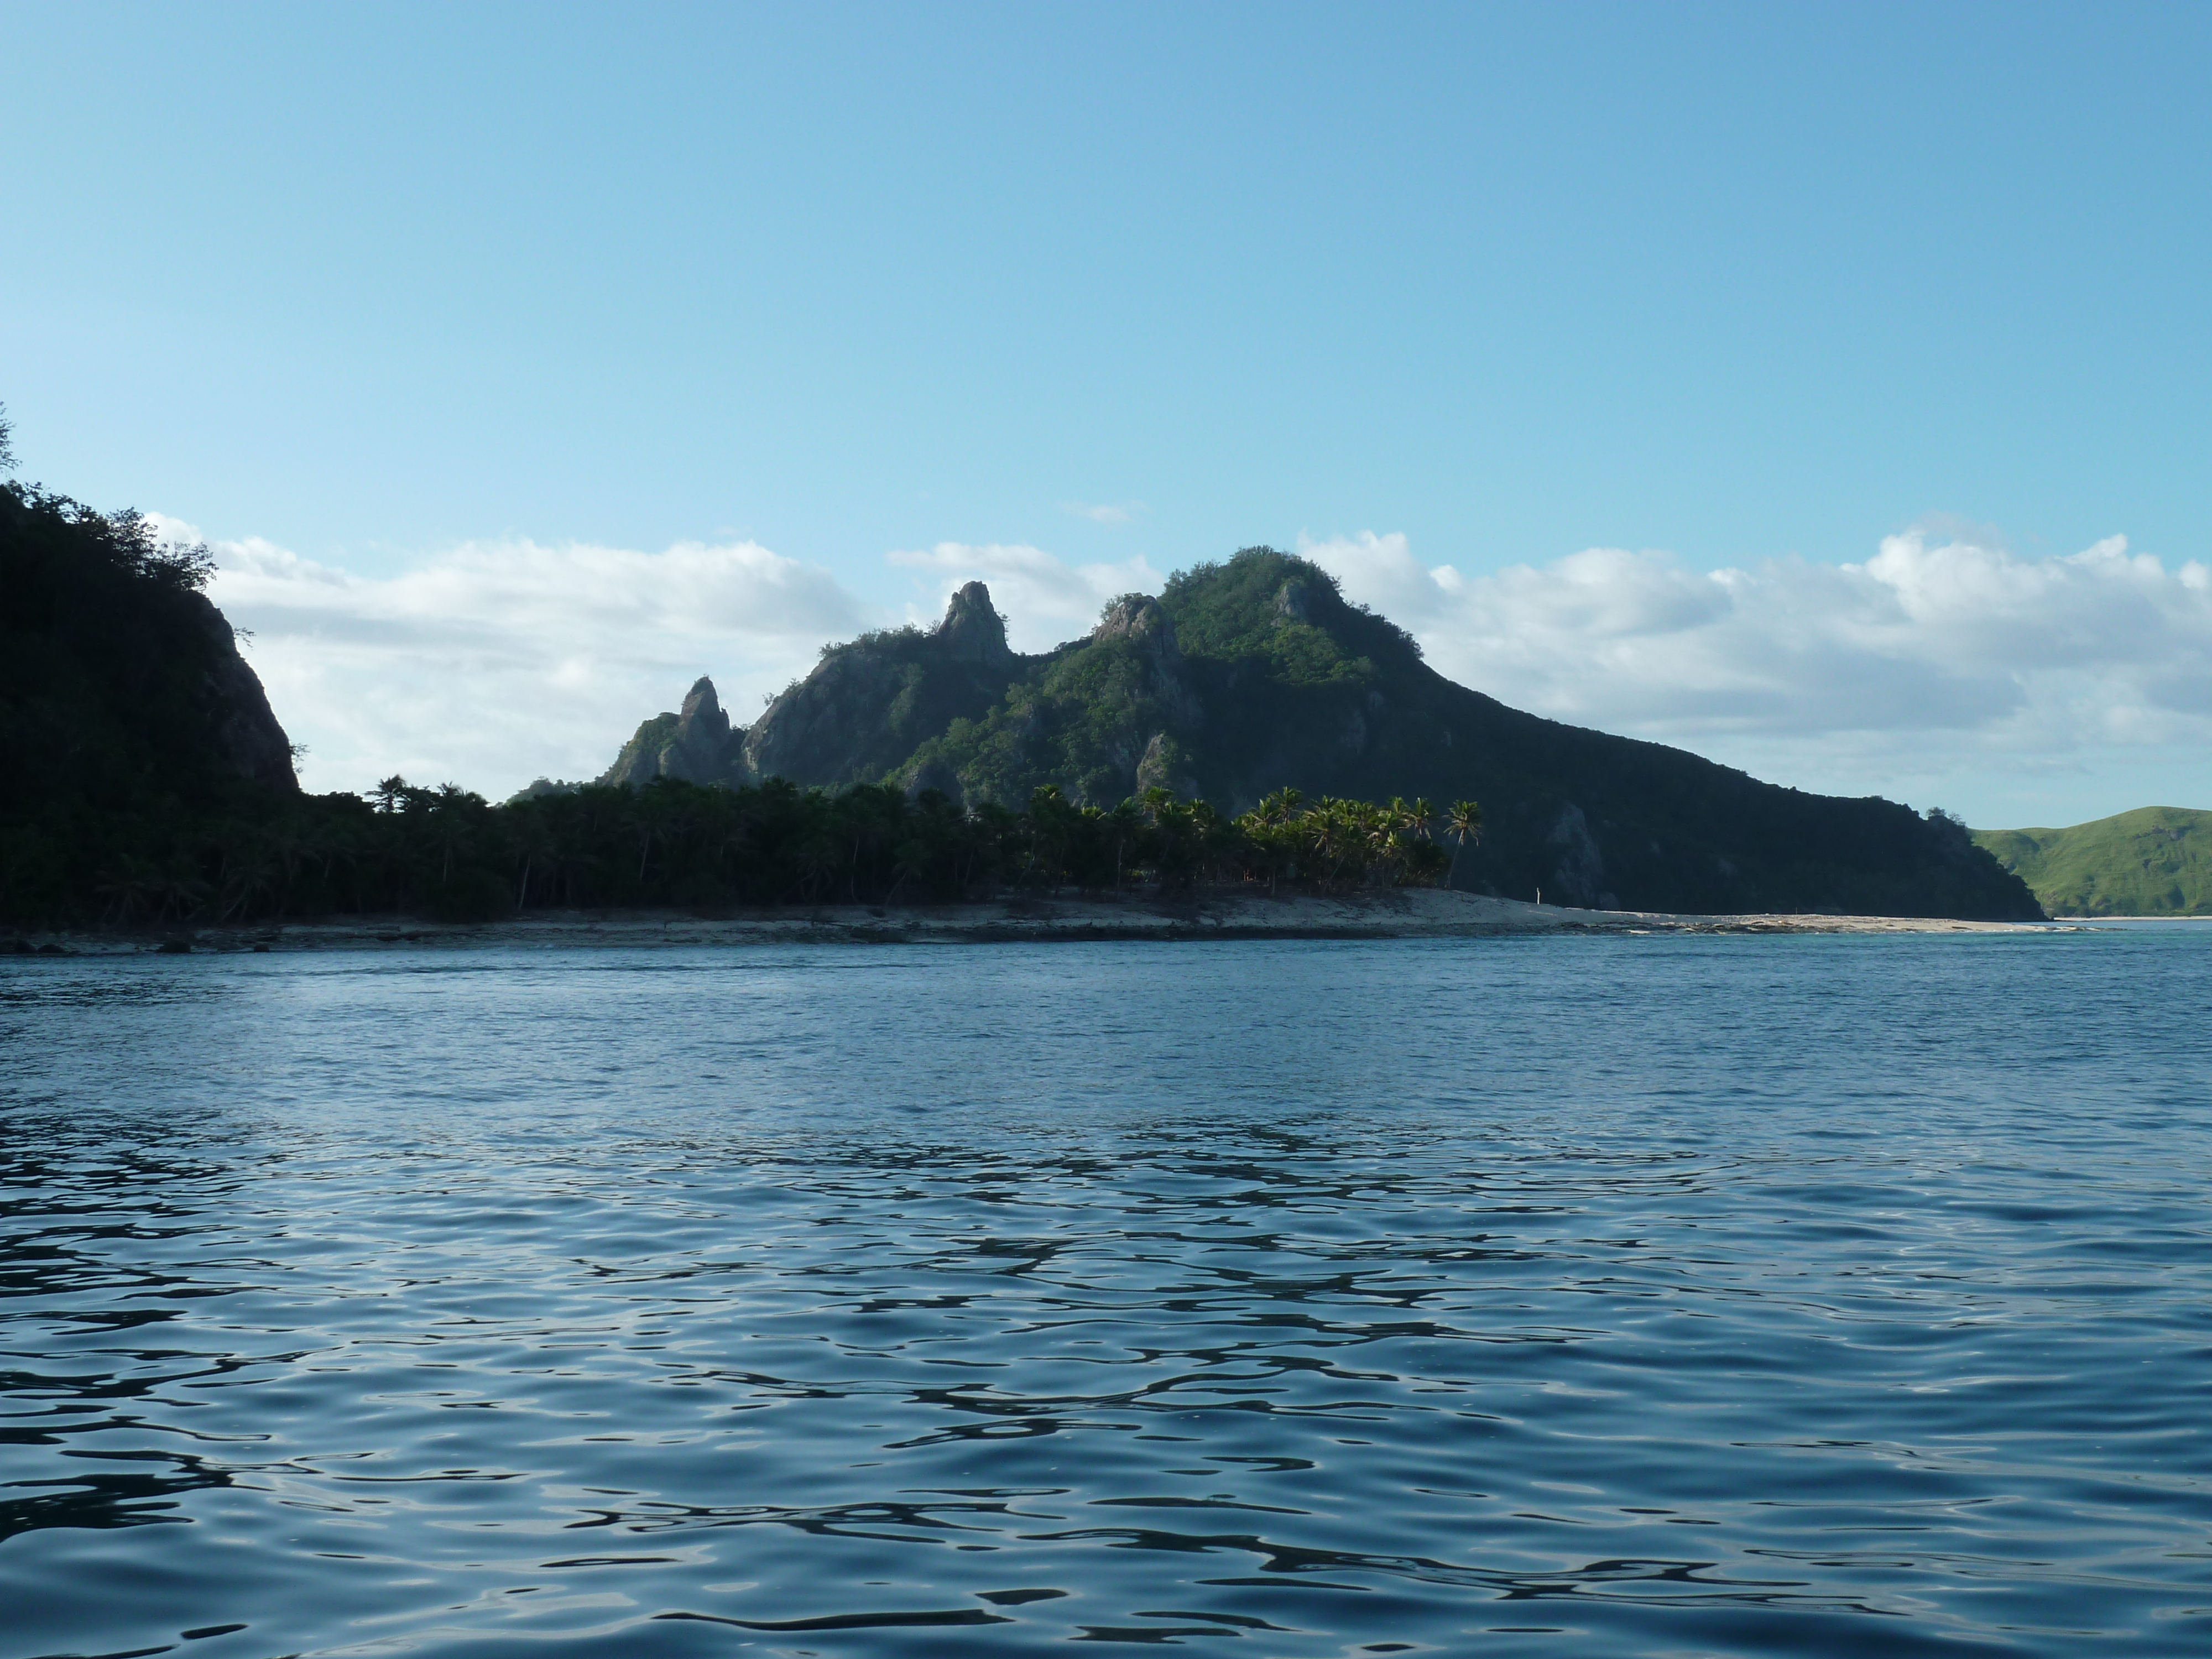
{"type": "Point", "coordinates": [450, 853]}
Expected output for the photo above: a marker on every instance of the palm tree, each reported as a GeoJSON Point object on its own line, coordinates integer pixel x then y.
{"type": "Point", "coordinates": [179, 885]}
{"type": "Point", "coordinates": [1175, 832]}
{"type": "Point", "coordinates": [1463, 821]}
{"type": "Point", "coordinates": [1335, 834]}
{"type": "Point", "coordinates": [130, 883]}
{"type": "Point", "coordinates": [449, 831]}
{"type": "Point", "coordinates": [1121, 825]}
{"type": "Point", "coordinates": [1281, 807]}
{"type": "Point", "coordinates": [289, 841]}
{"type": "Point", "coordinates": [910, 861]}
{"type": "Point", "coordinates": [249, 877]}
{"type": "Point", "coordinates": [646, 816]}
{"type": "Point", "coordinates": [574, 864]}
{"type": "Point", "coordinates": [534, 839]}
{"type": "Point", "coordinates": [817, 855]}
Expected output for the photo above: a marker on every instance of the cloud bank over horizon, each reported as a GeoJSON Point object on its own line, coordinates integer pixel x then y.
{"type": "Point", "coordinates": [1945, 669]}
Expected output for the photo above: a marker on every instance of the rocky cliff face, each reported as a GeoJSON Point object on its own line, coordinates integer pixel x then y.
{"type": "Point", "coordinates": [829, 727]}
{"type": "Point", "coordinates": [973, 632]}
{"type": "Point", "coordinates": [251, 744]}
{"type": "Point", "coordinates": [1101, 717]}
{"type": "Point", "coordinates": [865, 709]}
{"type": "Point", "coordinates": [868, 706]}
{"type": "Point", "coordinates": [697, 745]}
{"type": "Point", "coordinates": [1143, 622]}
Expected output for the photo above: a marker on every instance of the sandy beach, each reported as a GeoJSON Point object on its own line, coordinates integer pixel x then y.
{"type": "Point", "coordinates": [1407, 912]}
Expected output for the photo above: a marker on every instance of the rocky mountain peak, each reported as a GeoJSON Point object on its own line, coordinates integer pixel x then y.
{"type": "Point", "coordinates": [1143, 619]}
{"type": "Point", "coordinates": [697, 745]}
{"type": "Point", "coordinates": [973, 631]}
{"type": "Point", "coordinates": [702, 710]}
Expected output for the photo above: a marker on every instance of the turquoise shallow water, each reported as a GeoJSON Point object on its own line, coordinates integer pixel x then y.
{"type": "Point", "coordinates": [1562, 1297]}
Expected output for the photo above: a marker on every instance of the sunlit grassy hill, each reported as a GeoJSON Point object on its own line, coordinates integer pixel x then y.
{"type": "Point", "coordinates": [2154, 861]}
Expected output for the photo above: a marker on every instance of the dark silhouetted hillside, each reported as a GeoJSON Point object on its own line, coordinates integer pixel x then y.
{"type": "Point", "coordinates": [125, 707]}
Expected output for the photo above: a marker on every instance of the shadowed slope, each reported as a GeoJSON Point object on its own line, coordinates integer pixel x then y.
{"type": "Point", "coordinates": [119, 682]}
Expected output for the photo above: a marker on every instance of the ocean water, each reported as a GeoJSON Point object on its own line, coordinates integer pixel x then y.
{"type": "Point", "coordinates": [1633, 1297]}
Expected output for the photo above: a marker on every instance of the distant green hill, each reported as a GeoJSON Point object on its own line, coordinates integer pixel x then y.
{"type": "Point", "coordinates": [2154, 861]}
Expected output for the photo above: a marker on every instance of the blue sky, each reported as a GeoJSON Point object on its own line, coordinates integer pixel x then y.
{"type": "Point", "coordinates": [1127, 287]}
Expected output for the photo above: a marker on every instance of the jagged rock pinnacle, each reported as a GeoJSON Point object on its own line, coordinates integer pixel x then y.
{"type": "Point", "coordinates": [702, 698]}
{"type": "Point", "coordinates": [973, 631]}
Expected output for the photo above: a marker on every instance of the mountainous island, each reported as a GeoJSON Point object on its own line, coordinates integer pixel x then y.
{"type": "Point", "coordinates": [1254, 674]}
{"type": "Point", "coordinates": [1248, 731]}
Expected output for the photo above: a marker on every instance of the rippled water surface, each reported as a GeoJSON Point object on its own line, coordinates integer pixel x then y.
{"type": "Point", "coordinates": [1567, 1297]}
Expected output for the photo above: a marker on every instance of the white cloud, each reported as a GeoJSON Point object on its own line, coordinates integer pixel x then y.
{"type": "Point", "coordinates": [1943, 652]}
{"type": "Point", "coordinates": [496, 662]}
{"type": "Point", "coordinates": [1044, 601]}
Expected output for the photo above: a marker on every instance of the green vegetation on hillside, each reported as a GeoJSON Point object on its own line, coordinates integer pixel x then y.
{"type": "Point", "coordinates": [1255, 672]}
{"type": "Point", "coordinates": [1259, 609]}
{"type": "Point", "coordinates": [1079, 722]}
{"type": "Point", "coordinates": [2154, 861]}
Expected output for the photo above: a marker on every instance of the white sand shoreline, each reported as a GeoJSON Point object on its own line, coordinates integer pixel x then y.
{"type": "Point", "coordinates": [1406, 913]}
